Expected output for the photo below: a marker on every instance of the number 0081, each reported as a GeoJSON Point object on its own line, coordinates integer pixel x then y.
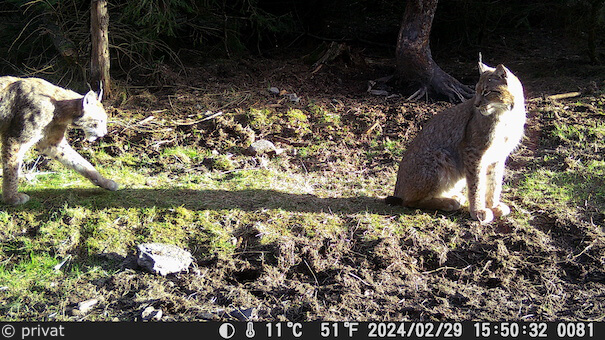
{"type": "Point", "coordinates": [575, 329]}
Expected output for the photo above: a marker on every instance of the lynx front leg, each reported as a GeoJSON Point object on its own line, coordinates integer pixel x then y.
{"type": "Point", "coordinates": [495, 176]}
{"type": "Point", "coordinates": [476, 180]}
{"type": "Point", "coordinates": [65, 154]}
{"type": "Point", "coordinates": [12, 156]}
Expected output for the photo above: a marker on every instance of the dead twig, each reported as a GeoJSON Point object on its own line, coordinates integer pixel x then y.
{"type": "Point", "coordinates": [371, 128]}
{"type": "Point", "coordinates": [360, 279]}
{"type": "Point", "coordinates": [564, 95]}
{"type": "Point", "coordinates": [447, 268]}
{"type": "Point", "coordinates": [312, 272]}
{"type": "Point", "coordinates": [198, 121]}
{"type": "Point", "coordinates": [559, 96]}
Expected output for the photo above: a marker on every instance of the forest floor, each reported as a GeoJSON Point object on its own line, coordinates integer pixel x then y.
{"type": "Point", "coordinates": [301, 233]}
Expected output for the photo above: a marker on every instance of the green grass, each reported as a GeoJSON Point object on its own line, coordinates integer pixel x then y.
{"type": "Point", "coordinates": [573, 176]}
{"type": "Point", "coordinates": [32, 274]}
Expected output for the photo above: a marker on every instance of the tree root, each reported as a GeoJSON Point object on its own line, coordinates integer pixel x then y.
{"type": "Point", "coordinates": [431, 81]}
{"type": "Point", "coordinates": [421, 92]}
{"type": "Point", "coordinates": [442, 85]}
{"type": "Point", "coordinates": [445, 85]}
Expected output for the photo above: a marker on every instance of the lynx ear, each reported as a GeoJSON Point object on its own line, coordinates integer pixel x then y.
{"type": "Point", "coordinates": [501, 71]}
{"type": "Point", "coordinates": [482, 67]}
{"type": "Point", "coordinates": [89, 98]}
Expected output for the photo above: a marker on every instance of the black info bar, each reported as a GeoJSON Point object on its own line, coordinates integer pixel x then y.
{"type": "Point", "coordinates": [303, 330]}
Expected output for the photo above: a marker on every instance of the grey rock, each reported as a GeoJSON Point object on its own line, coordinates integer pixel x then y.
{"type": "Point", "coordinates": [86, 306]}
{"type": "Point", "coordinates": [293, 97]}
{"type": "Point", "coordinates": [163, 258]}
{"type": "Point", "coordinates": [151, 314]}
{"type": "Point", "coordinates": [263, 146]}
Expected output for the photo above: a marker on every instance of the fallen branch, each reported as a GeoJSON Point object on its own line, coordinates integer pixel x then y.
{"type": "Point", "coordinates": [559, 96]}
{"type": "Point", "coordinates": [564, 95]}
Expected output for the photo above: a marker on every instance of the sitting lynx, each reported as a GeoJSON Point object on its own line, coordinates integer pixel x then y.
{"type": "Point", "coordinates": [466, 144]}
{"type": "Point", "coordinates": [36, 112]}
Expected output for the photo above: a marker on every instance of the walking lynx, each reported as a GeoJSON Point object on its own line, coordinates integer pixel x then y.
{"type": "Point", "coordinates": [36, 112]}
{"type": "Point", "coordinates": [466, 144]}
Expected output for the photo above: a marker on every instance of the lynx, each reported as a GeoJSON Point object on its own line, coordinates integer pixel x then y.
{"type": "Point", "coordinates": [34, 112]}
{"type": "Point", "coordinates": [467, 144]}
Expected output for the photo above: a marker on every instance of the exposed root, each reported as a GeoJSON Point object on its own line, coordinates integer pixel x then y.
{"type": "Point", "coordinates": [444, 85]}
{"type": "Point", "coordinates": [421, 92]}
{"type": "Point", "coordinates": [452, 90]}
{"type": "Point", "coordinates": [435, 83]}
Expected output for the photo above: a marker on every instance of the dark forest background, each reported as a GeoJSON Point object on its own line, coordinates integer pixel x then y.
{"type": "Point", "coordinates": [51, 38]}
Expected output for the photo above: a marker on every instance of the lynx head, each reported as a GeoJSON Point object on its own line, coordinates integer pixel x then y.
{"type": "Point", "coordinates": [498, 90]}
{"type": "Point", "coordinates": [94, 118]}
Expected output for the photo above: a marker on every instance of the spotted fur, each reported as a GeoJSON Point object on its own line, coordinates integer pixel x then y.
{"type": "Point", "coordinates": [34, 112]}
{"type": "Point", "coordinates": [467, 144]}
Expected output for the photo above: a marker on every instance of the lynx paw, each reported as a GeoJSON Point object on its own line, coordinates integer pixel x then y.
{"type": "Point", "coordinates": [18, 198]}
{"type": "Point", "coordinates": [109, 185]}
{"type": "Point", "coordinates": [452, 204]}
{"type": "Point", "coordinates": [501, 210]}
{"type": "Point", "coordinates": [484, 216]}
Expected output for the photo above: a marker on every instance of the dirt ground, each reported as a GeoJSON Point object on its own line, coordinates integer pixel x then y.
{"type": "Point", "coordinates": [551, 270]}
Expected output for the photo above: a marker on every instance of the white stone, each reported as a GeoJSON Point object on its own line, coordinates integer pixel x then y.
{"type": "Point", "coordinates": [163, 258]}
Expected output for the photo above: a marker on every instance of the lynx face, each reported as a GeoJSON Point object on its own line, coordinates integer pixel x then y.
{"type": "Point", "coordinates": [94, 118]}
{"type": "Point", "coordinates": [493, 94]}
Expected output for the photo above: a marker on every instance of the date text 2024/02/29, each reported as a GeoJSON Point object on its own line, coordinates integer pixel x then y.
{"type": "Point", "coordinates": [466, 329]}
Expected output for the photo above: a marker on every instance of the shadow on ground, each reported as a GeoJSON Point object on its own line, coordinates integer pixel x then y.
{"type": "Point", "coordinates": [247, 200]}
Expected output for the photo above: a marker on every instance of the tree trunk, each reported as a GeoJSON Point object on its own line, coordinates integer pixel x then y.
{"type": "Point", "coordinates": [593, 24]}
{"type": "Point", "coordinates": [99, 63]}
{"type": "Point", "coordinates": [415, 65]}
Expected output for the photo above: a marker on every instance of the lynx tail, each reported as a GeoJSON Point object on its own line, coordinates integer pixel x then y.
{"type": "Point", "coordinates": [393, 200]}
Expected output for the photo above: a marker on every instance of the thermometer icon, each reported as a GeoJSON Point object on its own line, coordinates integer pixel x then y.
{"type": "Point", "coordinates": [250, 329]}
